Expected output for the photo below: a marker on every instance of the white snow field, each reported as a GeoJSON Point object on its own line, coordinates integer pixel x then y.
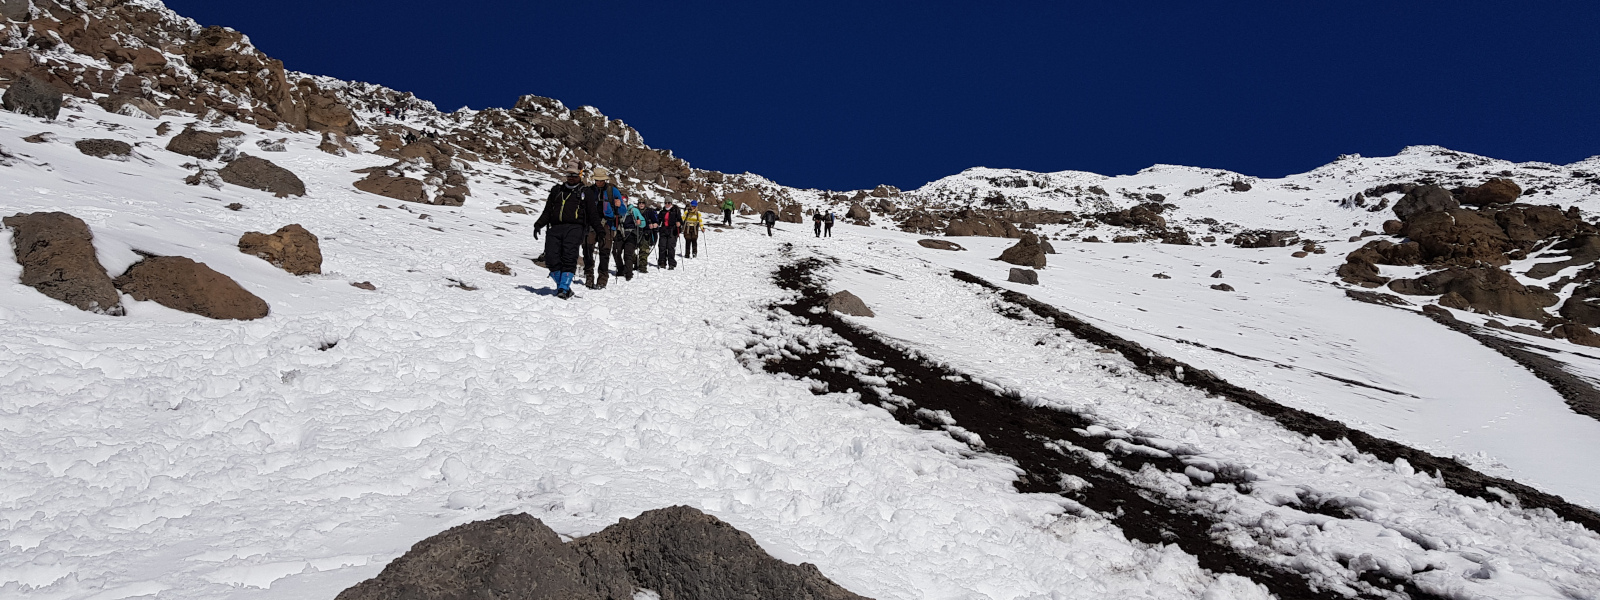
{"type": "Point", "coordinates": [161, 454]}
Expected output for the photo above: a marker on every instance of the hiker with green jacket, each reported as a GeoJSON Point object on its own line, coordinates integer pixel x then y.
{"type": "Point", "coordinates": [727, 211]}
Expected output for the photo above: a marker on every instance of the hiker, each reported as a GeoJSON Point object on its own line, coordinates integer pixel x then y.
{"type": "Point", "coordinates": [568, 218]}
{"type": "Point", "coordinates": [816, 223]}
{"type": "Point", "coordinates": [769, 219]}
{"type": "Point", "coordinates": [827, 225]}
{"type": "Point", "coordinates": [651, 221]}
{"type": "Point", "coordinates": [671, 226]}
{"type": "Point", "coordinates": [622, 219]}
{"type": "Point", "coordinates": [727, 212]}
{"type": "Point", "coordinates": [596, 197]}
{"type": "Point", "coordinates": [692, 222]}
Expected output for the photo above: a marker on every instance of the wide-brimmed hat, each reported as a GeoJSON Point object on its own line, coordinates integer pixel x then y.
{"type": "Point", "coordinates": [601, 174]}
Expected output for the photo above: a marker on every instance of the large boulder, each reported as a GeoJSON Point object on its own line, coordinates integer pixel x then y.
{"type": "Point", "coordinates": [1458, 236]}
{"type": "Point", "coordinates": [207, 145]}
{"type": "Point", "coordinates": [1583, 306]}
{"type": "Point", "coordinates": [291, 248]}
{"type": "Point", "coordinates": [940, 245]}
{"type": "Point", "coordinates": [1423, 199]}
{"type": "Point", "coordinates": [1494, 191]}
{"type": "Point", "coordinates": [1266, 238]}
{"type": "Point", "coordinates": [847, 303]}
{"type": "Point", "coordinates": [1025, 253]}
{"type": "Point", "coordinates": [1526, 226]}
{"type": "Point", "coordinates": [511, 557]}
{"type": "Point", "coordinates": [974, 223]}
{"type": "Point", "coordinates": [1485, 289]}
{"type": "Point", "coordinates": [33, 97]}
{"type": "Point", "coordinates": [261, 174]}
{"type": "Point", "coordinates": [859, 214]}
{"type": "Point", "coordinates": [400, 188]}
{"type": "Point", "coordinates": [15, 10]}
{"type": "Point", "coordinates": [56, 251]}
{"type": "Point", "coordinates": [1023, 276]}
{"type": "Point", "coordinates": [182, 284]}
{"type": "Point", "coordinates": [684, 554]}
{"type": "Point", "coordinates": [103, 148]}
{"type": "Point", "coordinates": [131, 106]}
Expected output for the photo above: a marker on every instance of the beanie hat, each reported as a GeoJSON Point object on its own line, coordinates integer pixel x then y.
{"type": "Point", "coordinates": [601, 174]}
{"type": "Point", "coordinates": [694, 203]}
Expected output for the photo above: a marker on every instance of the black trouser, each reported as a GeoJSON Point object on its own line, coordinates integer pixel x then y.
{"type": "Point", "coordinates": [817, 227]}
{"type": "Point", "coordinates": [769, 230]}
{"type": "Point", "coordinates": [589, 243]}
{"type": "Point", "coordinates": [561, 247]}
{"type": "Point", "coordinates": [669, 250]}
{"type": "Point", "coordinates": [727, 216]}
{"type": "Point", "coordinates": [827, 229]}
{"type": "Point", "coordinates": [603, 242]}
{"type": "Point", "coordinates": [625, 248]}
{"type": "Point", "coordinates": [691, 245]}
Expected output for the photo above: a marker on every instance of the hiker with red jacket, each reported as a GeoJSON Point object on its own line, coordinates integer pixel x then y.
{"type": "Point", "coordinates": [671, 226]}
{"type": "Point", "coordinates": [569, 219]}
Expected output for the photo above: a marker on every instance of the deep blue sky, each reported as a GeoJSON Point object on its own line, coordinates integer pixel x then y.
{"type": "Point", "coordinates": [846, 95]}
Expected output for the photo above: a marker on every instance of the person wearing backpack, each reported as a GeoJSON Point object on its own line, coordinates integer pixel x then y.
{"type": "Point", "coordinates": [692, 222]}
{"type": "Point", "coordinates": [827, 225]}
{"type": "Point", "coordinates": [569, 218]}
{"type": "Point", "coordinates": [816, 223]}
{"type": "Point", "coordinates": [649, 227]}
{"type": "Point", "coordinates": [671, 226]}
{"type": "Point", "coordinates": [623, 220]}
{"type": "Point", "coordinates": [769, 219]}
{"type": "Point", "coordinates": [727, 212]}
{"type": "Point", "coordinates": [598, 197]}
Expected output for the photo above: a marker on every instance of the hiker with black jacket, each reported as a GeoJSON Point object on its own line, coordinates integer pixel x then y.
{"type": "Point", "coordinates": [671, 226]}
{"type": "Point", "coordinates": [569, 219]}
{"type": "Point", "coordinates": [597, 197]}
{"type": "Point", "coordinates": [827, 225]}
{"type": "Point", "coordinates": [651, 225]}
{"type": "Point", "coordinates": [816, 223]}
{"type": "Point", "coordinates": [622, 219]}
{"type": "Point", "coordinates": [769, 219]}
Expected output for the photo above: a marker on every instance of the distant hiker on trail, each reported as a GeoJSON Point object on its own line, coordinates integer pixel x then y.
{"type": "Point", "coordinates": [597, 197]}
{"type": "Point", "coordinates": [623, 221]}
{"type": "Point", "coordinates": [769, 219]}
{"type": "Point", "coordinates": [827, 225]}
{"type": "Point", "coordinates": [568, 218]}
{"type": "Point", "coordinates": [647, 235]}
{"type": "Point", "coordinates": [727, 212]}
{"type": "Point", "coordinates": [816, 223]}
{"type": "Point", "coordinates": [692, 222]}
{"type": "Point", "coordinates": [671, 226]}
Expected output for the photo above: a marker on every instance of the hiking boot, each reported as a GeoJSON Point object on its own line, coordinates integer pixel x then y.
{"type": "Point", "coordinates": [564, 294]}
{"type": "Point", "coordinates": [602, 283]}
{"type": "Point", "coordinates": [588, 277]}
{"type": "Point", "coordinates": [628, 277]}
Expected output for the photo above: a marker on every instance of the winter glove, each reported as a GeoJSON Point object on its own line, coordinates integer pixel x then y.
{"type": "Point", "coordinates": [536, 233]}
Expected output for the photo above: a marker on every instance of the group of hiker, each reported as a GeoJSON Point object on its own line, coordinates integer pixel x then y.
{"type": "Point", "coordinates": [821, 223]}
{"type": "Point", "coordinates": [604, 224]}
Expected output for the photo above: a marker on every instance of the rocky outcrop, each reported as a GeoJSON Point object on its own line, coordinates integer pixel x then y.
{"type": "Point", "coordinates": [858, 214]}
{"type": "Point", "coordinates": [1023, 276]}
{"type": "Point", "coordinates": [56, 251]}
{"type": "Point", "coordinates": [1485, 289]}
{"type": "Point", "coordinates": [1458, 236]}
{"type": "Point", "coordinates": [103, 148]}
{"type": "Point", "coordinates": [261, 174]}
{"type": "Point", "coordinates": [970, 222]}
{"type": "Point", "coordinates": [679, 553]}
{"type": "Point", "coordinates": [1025, 253]}
{"type": "Point", "coordinates": [1424, 199]}
{"type": "Point", "coordinates": [1264, 238]}
{"type": "Point", "coordinates": [183, 284]}
{"type": "Point", "coordinates": [30, 96]}
{"type": "Point", "coordinates": [1494, 191]}
{"type": "Point", "coordinates": [207, 145]}
{"type": "Point", "coordinates": [390, 185]}
{"type": "Point", "coordinates": [847, 303]}
{"type": "Point", "coordinates": [291, 248]}
{"type": "Point", "coordinates": [131, 106]}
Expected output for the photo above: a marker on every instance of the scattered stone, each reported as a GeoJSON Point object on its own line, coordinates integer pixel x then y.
{"type": "Point", "coordinates": [261, 174]}
{"type": "Point", "coordinates": [1217, 275]}
{"type": "Point", "coordinates": [513, 208]}
{"type": "Point", "coordinates": [1239, 186]}
{"type": "Point", "coordinates": [183, 284]}
{"type": "Point", "coordinates": [1300, 254]}
{"type": "Point", "coordinates": [1026, 252]}
{"type": "Point", "coordinates": [365, 285]}
{"type": "Point", "coordinates": [30, 96]}
{"type": "Point", "coordinates": [1093, 239]}
{"type": "Point", "coordinates": [131, 106]}
{"type": "Point", "coordinates": [1438, 312]}
{"type": "Point", "coordinates": [1125, 239]}
{"type": "Point", "coordinates": [1522, 329]}
{"type": "Point", "coordinates": [1378, 298]}
{"type": "Point", "coordinates": [1494, 191]}
{"type": "Point", "coordinates": [858, 214]}
{"type": "Point", "coordinates": [1162, 276]}
{"type": "Point", "coordinates": [278, 145]}
{"type": "Point", "coordinates": [206, 177]}
{"type": "Point", "coordinates": [1048, 249]}
{"type": "Point", "coordinates": [56, 251]}
{"type": "Point", "coordinates": [206, 145]}
{"type": "Point", "coordinates": [1484, 289]}
{"type": "Point", "coordinates": [1024, 276]}
{"type": "Point", "coordinates": [163, 129]}
{"type": "Point", "coordinates": [235, 206]}
{"type": "Point", "coordinates": [497, 267]}
{"type": "Point", "coordinates": [1425, 199]}
{"type": "Point", "coordinates": [1264, 238]}
{"type": "Point", "coordinates": [291, 248]}
{"type": "Point", "coordinates": [41, 138]}
{"type": "Point", "coordinates": [103, 148]}
{"type": "Point", "coordinates": [1455, 301]}
{"type": "Point", "coordinates": [1222, 287]}
{"type": "Point", "coordinates": [847, 303]}
{"type": "Point", "coordinates": [1360, 272]}
{"type": "Point", "coordinates": [940, 245]}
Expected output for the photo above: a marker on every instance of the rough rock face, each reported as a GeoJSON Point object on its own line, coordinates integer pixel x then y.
{"type": "Point", "coordinates": [1583, 306]}
{"type": "Point", "coordinates": [497, 267]}
{"type": "Point", "coordinates": [1485, 289]}
{"type": "Point", "coordinates": [182, 284]}
{"type": "Point", "coordinates": [291, 248]}
{"type": "Point", "coordinates": [859, 214]}
{"type": "Point", "coordinates": [1423, 199]}
{"type": "Point", "coordinates": [1458, 236]}
{"type": "Point", "coordinates": [102, 148]}
{"type": "Point", "coordinates": [1144, 216]}
{"type": "Point", "coordinates": [1024, 276]}
{"type": "Point", "coordinates": [261, 174]}
{"type": "Point", "coordinates": [1026, 252]}
{"type": "Point", "coordinates": [1266, 239]}
{"type": "Point", "coordinates": [1494, 191]}
{"type": "Point", "coordinates": [30, 96]}
{"type": "Point", "coordinates": [512, 557]}
{"type": "Point", "coordinates": [847, 303]}
{"type": "Point", "coordinates": [400, 188]}
{"type": "Point", "coordinates": [207, 145]}
{"type": "Point", "coordinates": [56, 251]}
{"type": "Point", "coordinates": [15, 10]}
{"type": "Point", "coordinates": [976, 223]}
{"type": "Point", "coordinates": [132, 106]}
{"type": "Point", "coordinates": [940, 245]}
{"type": "Point", "coordinates": [684, 554]}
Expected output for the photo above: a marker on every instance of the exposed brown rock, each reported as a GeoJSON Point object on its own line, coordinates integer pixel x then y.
{"type": "Point", "coordinates": [183, 284]}
{"type": "Point", "coordinates": [30, 96]}
{"type": "Point", "coordinates": [1577, 334]}
{"type": "Point", "coordinates": [497, 267]}
{"type": "Point", "coordinates": [859, 214]}
{"type": "Point", "coordinates": [1023, 276]}
{"type": "Point", "coordinates": [399, 188]}
{"type": "Point", "coordinates": [1485, 289]}
{"type": "Point", "coordinates": [103, 148]}
{"type": "Point", "coordinates": [1494, 191]}
{"type": "Point", "coordinates": [208, 145]}
{"type": "Point", "coordinates": [1454, 300]}
{"type": "Point", "coordinates": [365, 285]}
{"type": "Point", "coordinates": [847, 303]}
{"type": "Point", "coordinates": [940, 245]}
{"type": "Point", "coordinates": [1222, 287]}
{"type": "Point", "coordinates": [1266, 239]}
{"type": "Point", "coordinates": [1458, 236]}
{"type": "Point", "coordinates": [1025, 253]}
{"type": "Point", "coordinates": [261, 174]}
{"type": "Point", "coordinates": [56, 251]}
{"type": "Point", "coordinates": [291, 248]}
{"type": "Point", "coordinates": [1425, 199]}
{"type": "Point", "coordinates": [511, 208]}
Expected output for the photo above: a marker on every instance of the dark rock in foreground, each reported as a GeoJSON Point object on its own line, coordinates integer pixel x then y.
{"type": "Point", "coordinates": [182, 284]}
{"type": "Point", "coordinates": [680, 553]}
{"type": "Point", "coordinates": [1025, 253]}
{"type": "Point", "coordinates": [847, 303]}
{"type": "Point", "coordinates": [56, 251]}
{"type": "Point", "coordinates": [261, 174]}
{"type": "Point", "coordinates": [1024, 276]}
